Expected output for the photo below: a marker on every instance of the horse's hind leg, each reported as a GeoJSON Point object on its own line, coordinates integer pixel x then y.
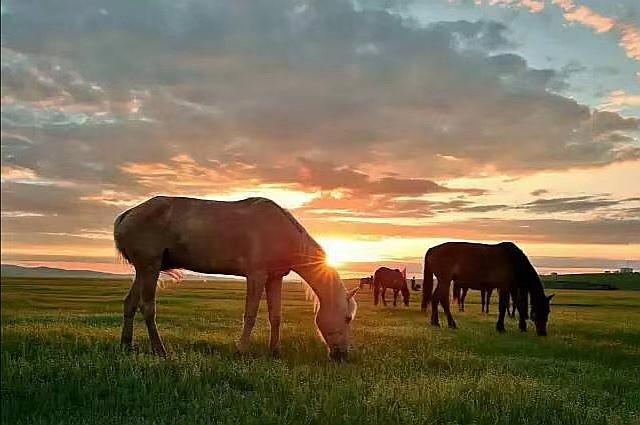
{"type": "Point", "coordinates": [463, 296]}
{"type": "Point", "coordinates": [435, 300]}
{"type": "Point", "coordinates": [384, 300]}
{"type": "Point", "coordinates": [503, 304]}
{"type": "Point", "coordinates": [274, 302]}
{"type": "Point", "coordinates": [443, 295]}
{"type": "Point", "coordinates": [255, 287]}
{"type": "Point", "coordinates": [148, 276]}
{"type": "Point", "coordinates": [130, 305]}
{"type": "Point", "coordinates": [483, 298]}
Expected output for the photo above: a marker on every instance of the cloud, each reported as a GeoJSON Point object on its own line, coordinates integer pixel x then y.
{"type": "Point", "coordinates": [619, 100]}
{"type": "Point", "coordinates": [596, 231]}
{"type": "Point", "coordinates": [365, 109]}
{"type": "Point", "coordinates": [573, 204]}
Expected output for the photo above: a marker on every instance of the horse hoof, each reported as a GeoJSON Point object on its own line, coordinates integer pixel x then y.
{"type": "Point", "coordinates": [452, 326]}
{"type": "Point", "coordinates": [501, 330]}
{"type": "Point", "coordinates": [275, 354]}
{"type": "Point", "coordinates": [435, 325]}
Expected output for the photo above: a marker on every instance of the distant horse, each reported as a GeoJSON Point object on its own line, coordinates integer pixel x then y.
{"type": "Point", "coordinates": [503, 266]}
{"type": "Point", "coordinates": [385, 278]}
{"type": "Point", "coordinates": [366, 281]}
{"type": "Point", "coordinates": [254, 238]}
{"type": "Point", "coordinates": [460, 294]}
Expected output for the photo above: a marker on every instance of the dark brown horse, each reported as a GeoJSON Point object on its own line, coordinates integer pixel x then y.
{"type": "Point", "coordinates": [460, 295]}
{"type": "Point", "coordinates": [502, 266]}
{"type": "Point", "coordinates": [385, 278]}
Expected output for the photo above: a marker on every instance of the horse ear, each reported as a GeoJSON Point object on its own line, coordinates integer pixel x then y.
{"type": "Point", "coordinates": [352, 292]}
{"type": "Point", "coordinates": [550, 296]}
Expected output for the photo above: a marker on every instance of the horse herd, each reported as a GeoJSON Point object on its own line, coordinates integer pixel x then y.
{"type": "Point", "coordinates": [263, 242]}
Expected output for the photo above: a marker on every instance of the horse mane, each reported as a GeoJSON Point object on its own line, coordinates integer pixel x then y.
{"type": "Point", "coordinates": [523, 266]}
{"type": "Point", "coordinates": [311, 296]}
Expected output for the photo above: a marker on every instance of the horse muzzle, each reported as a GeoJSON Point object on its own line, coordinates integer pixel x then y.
{"type": "Point", "coordinates": [338, 354]}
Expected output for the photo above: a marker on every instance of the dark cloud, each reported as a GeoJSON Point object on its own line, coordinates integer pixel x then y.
{"type": "Point", "coordinates": [539, 192]}
{"type": "Point", "coordinates": [573, 204]}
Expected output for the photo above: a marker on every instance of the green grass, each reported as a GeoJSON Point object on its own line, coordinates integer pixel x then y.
{"type": "Point", "coordinates": [61, 362]}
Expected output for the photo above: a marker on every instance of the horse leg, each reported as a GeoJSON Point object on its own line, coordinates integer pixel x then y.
{"type": "Point", "coordinates": [444, 301]}
{"type": "Point", "coordinates": [130, 305]}
{"type": "Point", "coordinates": [503, 304]}
{"type": "Point", "coordinates": [463, 296]}
{"type": "Point", "coordinates": [522, 302]}
{"type": "Point", "coordinates": [395, 297]}
{"type": "Point", "coordinates": [376, 294]}
{"type": "Point", "coordinates": [489, 293]}
{"type": "Point", "coordinates": [255, 287]}
{"type": "Point", "coordinates": [483, 300]}
{"type": "Point", "coordinates": [384, 300]}
{"type": "Point", "coordinates": [274, 303]}
{"type": "Point", "coordinates": [435, 300]}
{"type": "Point", "coordinates": [148, 276]}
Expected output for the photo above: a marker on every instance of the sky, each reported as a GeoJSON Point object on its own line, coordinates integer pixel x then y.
{"type": "Point", "coordinates": [386, 127]}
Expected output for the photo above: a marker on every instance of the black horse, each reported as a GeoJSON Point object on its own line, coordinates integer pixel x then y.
{"type": "Point", "coordinates": [460, 295]}
{"type": "Point", "coordinates": [503, 266]}
{"type": "Point", "coordinates": [385, 278]}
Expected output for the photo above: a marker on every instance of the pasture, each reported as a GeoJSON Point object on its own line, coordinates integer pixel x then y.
{"type": "Point", "coordinates": [61, 362]}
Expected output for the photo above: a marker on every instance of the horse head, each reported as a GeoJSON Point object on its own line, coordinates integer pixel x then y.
{"type": "Point", "coordinates": [540, 310]}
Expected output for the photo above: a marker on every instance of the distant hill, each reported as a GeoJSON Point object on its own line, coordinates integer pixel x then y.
{"type": "Point", "coordinates": [625, 281]}
{"type": "Point", "coordinates": [10, 270]}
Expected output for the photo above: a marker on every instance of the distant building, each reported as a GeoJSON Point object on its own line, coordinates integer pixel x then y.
{"type": "Point", "coordinates": [626, 270]}
{"type": "Point", "coordinates": [607, 271]}
{"type": "Point", "coordinates": [554, 275]}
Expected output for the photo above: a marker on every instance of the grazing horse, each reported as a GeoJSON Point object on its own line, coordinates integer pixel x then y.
{"type": "Point", "coordinates": [460, 294]}
{"type": "Point", "coordinates": [385, 278]}
{"type": "Point", "coordinates": [503, 266]}
{"type": "Point", "coordinates": [254, 238]}
{"type": "Point", "coordinates": [366, 281]}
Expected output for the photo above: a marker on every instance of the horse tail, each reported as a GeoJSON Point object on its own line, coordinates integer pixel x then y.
{"type": "Point", "coordinates": [427, 282]}
{"type": "Point", "coordinates": [122, 256]}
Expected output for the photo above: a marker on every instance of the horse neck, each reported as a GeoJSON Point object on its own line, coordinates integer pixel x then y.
{"type": "Point", "coordinates": [535, 288]}
{"type": "Point", "coordinates": [320, 279]}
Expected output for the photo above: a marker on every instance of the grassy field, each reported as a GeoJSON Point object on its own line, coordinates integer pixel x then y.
{"type": "Point", "coordinates": [61, 362]}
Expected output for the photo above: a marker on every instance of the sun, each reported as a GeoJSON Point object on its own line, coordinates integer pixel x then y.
{"type": "Point", "coordinates": [337, 252]}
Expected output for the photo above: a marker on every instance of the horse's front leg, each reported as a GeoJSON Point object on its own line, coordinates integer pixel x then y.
{"type": "Point", "coordinates": [148, 276]}
{"type": "Point", "coordinates": [274, 302]}
{"type": "Point", "coordinates": [395, 297]}
{"type": "Point", "coordinates": [503, 304]}
{"type": "Point", "coordinates": [255, 287]}
{"type": "Point", "coordinates": [384, 300]}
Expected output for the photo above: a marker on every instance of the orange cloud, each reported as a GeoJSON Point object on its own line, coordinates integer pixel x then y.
{"type": "Point", "coordinates": [583, 15]}
{"type": "Point", "coordinates": [630, 41]}
{"type": "Point", "coordinates": [587, 17]}
{"type": "Point", "coordinates": [619, 99]}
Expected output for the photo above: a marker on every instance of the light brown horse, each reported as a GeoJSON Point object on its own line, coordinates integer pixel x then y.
{"type": "Point", "coordinates": [254, 238]}
{"type": "Point", "coordinates": [503, 266]}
